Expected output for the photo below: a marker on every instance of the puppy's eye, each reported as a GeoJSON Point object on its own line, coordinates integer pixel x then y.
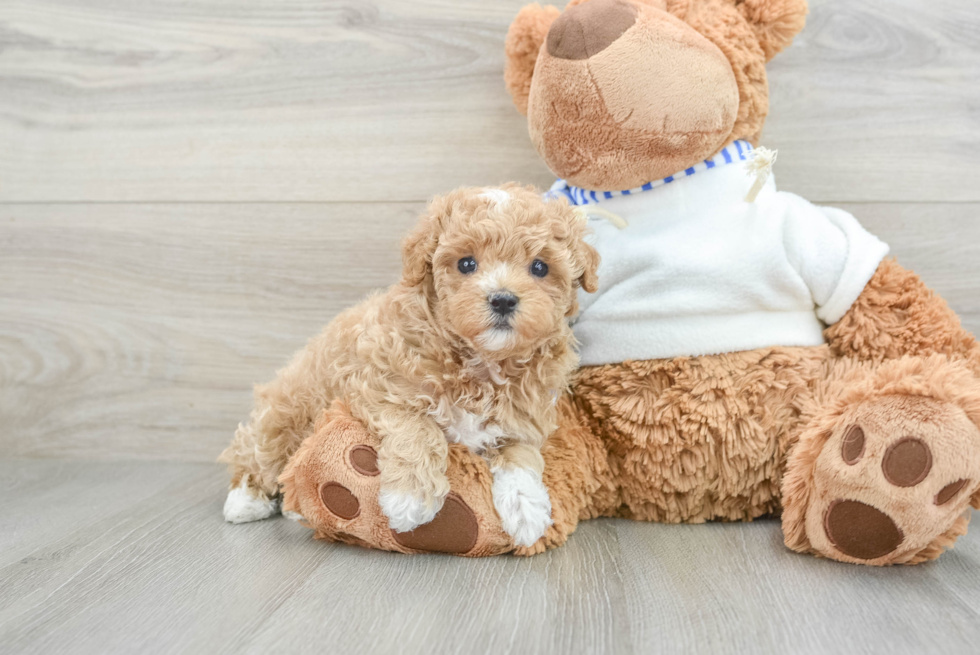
{"type": "Point", "coordinates": [466, 265]}
{"type": "Point", "coordinates": [539, 268]}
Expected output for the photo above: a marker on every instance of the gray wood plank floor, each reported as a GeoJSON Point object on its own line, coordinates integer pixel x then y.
{"type": "Point", "coordinates": [135, 558]}
{"type": "Point", "coordinates": [189, 189]}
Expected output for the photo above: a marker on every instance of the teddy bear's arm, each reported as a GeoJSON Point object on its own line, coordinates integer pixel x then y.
{"type": "Point", "coordinates": [897, 314]}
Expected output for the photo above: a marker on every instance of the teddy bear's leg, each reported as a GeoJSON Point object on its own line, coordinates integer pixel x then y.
{"type": "Point", "coordinates": [896, 315]}
{"type": "Point", "coordinates": [333, 482]}
{"type": "Point", "coordinates": [888, 467]}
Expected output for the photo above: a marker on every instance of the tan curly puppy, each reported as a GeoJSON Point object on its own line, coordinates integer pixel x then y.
{"type": "Point", "coordinates": [473, 345]}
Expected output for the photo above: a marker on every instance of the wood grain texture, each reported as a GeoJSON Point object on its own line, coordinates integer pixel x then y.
{"type": "Point", "coordinates": [391, 100]}
{"type": "Point", "coordinates": [878, 101]}
{"type": "Point", "coordinates": [135, 558]}
{"type": "Point", "coordinates": [235, 174]}
{"type": "Point", "coordinates": [136, 331]}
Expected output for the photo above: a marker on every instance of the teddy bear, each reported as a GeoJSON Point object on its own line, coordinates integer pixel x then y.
{"type": "Point", "coordinates": [747, 353]}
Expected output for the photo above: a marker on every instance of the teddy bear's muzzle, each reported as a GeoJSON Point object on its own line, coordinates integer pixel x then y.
{"type": "Point", "coordinates": [626, 93]}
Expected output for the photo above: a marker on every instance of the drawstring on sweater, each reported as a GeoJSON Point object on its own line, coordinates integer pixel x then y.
{"type": "Point", "coordinates": [587, 212]}
{"type": "Point", "coordinates": [761, 166]}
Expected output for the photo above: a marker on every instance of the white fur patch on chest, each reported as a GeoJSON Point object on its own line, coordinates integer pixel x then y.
{"type": "Point", "coordinates": [471, 430]}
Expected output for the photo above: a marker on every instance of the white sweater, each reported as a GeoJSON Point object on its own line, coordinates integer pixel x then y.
{"type": "Point", "coordinates": [699, 271]}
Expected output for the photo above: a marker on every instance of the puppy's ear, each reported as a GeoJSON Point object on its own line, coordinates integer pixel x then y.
{"type": "Point", "coordinates": [524, 39]}
{"type": "Point", "coordinates": [588, 259]}
{"type": "Point", "coordinates": [421, 243]}
{"type": "Point", "coordinates": [775, 22]}
{"type": "Point", "coordinates": [570, 227]}
{"type": "Point", "coordinates": [585, 264]}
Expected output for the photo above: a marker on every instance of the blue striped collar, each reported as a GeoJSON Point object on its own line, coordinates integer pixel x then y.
{"type": "Point", "coordinates": [734, 151]}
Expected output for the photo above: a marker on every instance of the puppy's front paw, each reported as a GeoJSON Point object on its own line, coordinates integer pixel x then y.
{"type": "Point", "coordinates": [523, 504]}
{"type": "Point", "coordinates": [406, 511]}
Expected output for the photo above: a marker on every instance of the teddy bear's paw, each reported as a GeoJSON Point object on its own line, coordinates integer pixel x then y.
{"type": "Point", "coordinates": [407, 511]}
{"type": "Point", "coordinates": [334, 481]}
{"type": "Point", "coordinates": [244, 505]}
{"type": "Point", "coordinates": [522, 503]}
{"type": "Point", "coordinates": [894, 482]}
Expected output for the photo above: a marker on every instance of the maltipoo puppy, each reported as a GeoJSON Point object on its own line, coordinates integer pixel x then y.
{"type": "Point", "coordinates": [472, 345]}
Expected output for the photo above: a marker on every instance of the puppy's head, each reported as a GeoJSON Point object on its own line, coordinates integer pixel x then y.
{"type": "Point", "coordinates": [501, 267]}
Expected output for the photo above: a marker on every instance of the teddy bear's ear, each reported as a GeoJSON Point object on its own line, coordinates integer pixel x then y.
{"type": "Point", "coordinates": [524, 39]}
{"type": "Point", "coordinates": [775, 22]}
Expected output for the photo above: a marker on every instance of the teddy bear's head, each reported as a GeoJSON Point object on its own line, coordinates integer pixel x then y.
{"type": "Point", "coordinates": [619, 93]}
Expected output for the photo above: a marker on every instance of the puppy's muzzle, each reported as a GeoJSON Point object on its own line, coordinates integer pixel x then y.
{"type": "Point", "coordinates": [502, 304]}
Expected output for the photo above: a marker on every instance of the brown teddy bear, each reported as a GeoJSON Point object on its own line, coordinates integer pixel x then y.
{"type": "Point", "coordinates": [747, 353]}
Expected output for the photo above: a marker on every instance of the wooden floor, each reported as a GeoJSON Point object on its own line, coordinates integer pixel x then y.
{"type": "Point", "coordinates": [134, 557]}
{"type": "Point", "coordinates": [189, 189]}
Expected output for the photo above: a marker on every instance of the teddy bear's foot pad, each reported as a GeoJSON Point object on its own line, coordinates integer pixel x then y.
{"type": "Point", "coordinates": [453, 530]}
{"type": "Point", "coordinates": [892, 485]}
{"type": "Point", "coordinates": [861, 531]}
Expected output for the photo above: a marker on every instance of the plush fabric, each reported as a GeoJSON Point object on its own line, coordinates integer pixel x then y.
{"type": "Point", "coordinates": [733, 436]}
{"type": "Point", "coordinates": [327, 459]}
{"type": "Point", "coordinates": [647, 105]}
{"type": "Point", "coordinates": [587, 30]}
{"type": "Point", "coordinates": [699, 271]}
{"type": "Point", "coordinates": [867, 443]}
{"type": "Point", "coordinates": [934, 401]}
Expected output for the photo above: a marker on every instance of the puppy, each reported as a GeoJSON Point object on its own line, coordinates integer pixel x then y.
{"type": "Point", "coordinates": [473, 345]}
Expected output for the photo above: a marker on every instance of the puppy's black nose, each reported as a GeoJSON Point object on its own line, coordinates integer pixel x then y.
{"type": "Point", "coordinates": [503, 303]}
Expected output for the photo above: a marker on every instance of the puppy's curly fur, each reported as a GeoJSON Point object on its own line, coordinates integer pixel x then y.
{"type": "Point", "coordinates": [430, 360]}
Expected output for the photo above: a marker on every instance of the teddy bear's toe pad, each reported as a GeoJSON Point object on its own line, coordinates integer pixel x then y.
{"type": "Point", "coordinates": [907, 462]}
{"type": "Point", "coordinates": [950, 491]}
{"type": "Point", "coordinates": [364, 460]}
{"type": "Point", "coordinates": [853, 449]}
{"type": "Point", "coordinates": [339, 500]}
